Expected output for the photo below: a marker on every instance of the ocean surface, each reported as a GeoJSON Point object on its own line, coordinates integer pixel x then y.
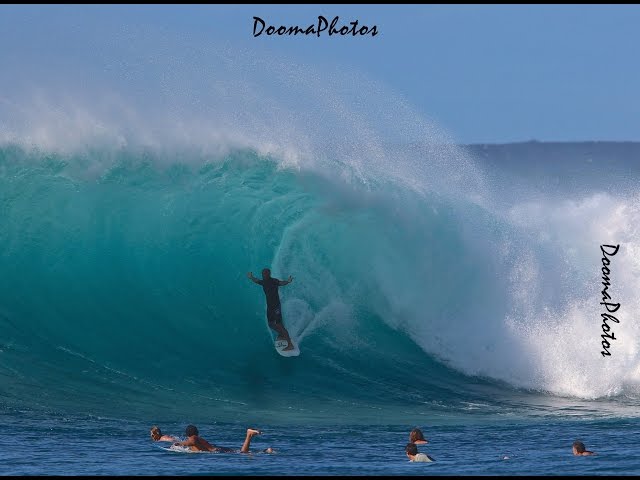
{"type": "Point", "coordinates": [53, 444]}
{"type": "Point", "coordinates": [454, 288]}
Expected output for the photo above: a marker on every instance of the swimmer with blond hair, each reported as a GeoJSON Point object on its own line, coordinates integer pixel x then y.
{"type": "Point", "coordinates": [157, 436]}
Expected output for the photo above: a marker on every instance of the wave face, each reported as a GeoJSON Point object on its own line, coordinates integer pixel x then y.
{"type": "Point", "coordinates": [127, 293]}
{"type": "Point", "coordinates": [425, 284]}
{"type": "Point", "coordinates": [131, 287]}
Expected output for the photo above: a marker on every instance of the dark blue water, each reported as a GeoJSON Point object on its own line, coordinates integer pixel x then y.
{"type": "Point", "coordinates": [35, 444]}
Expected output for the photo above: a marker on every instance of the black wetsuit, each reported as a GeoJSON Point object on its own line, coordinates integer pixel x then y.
{"type": "Point", "coordinates": [270, 287]}
{"type": "Point", "coordinates": [217, 449]}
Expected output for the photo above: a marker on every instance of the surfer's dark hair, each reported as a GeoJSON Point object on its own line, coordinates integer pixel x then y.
{"type": "Point", "coordinates": [416, 434]}
{"type": "Point", "coordinates": [579, 446]}
{"type": "Point", "coordinates": [411, 448]}
{"type": "Point", "coordinates": [191, 430]}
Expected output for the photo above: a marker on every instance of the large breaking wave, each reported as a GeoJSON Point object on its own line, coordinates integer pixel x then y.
{"type": "Point", "coordinates": [127, 226]}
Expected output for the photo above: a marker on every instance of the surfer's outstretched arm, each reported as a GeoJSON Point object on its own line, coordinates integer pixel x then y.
{"type": "Point", "coordinates": [285, 282]}
{"type": "Point", "coordinates": [253, 279]}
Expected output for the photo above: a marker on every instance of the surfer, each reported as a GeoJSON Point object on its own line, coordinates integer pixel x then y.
{"type": "Point", "coordinates": [412, 452]}
{"type": "Point", "coordinates": [417, 437]}
{"type": "Point", "coordinates": [157, 436]}
{"type": "Point", "coordinates": [580, 449]}
{"type": "Point", "coordinates": [198, 444]}
{"type": "Point", "coordinates": [274, 312]}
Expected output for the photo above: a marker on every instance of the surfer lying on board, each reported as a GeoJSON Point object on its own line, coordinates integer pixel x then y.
{"type": "Point", "coordinates": [274, 312]}
{"type": "Point", "coordinates": [199, 444]}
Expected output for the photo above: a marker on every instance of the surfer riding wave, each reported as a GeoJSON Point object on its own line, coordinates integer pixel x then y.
{"type": "Point", "coordinates": [270, 286]}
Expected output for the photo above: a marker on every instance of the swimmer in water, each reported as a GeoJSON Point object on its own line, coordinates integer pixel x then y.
{"type": "Point", "coordinates": [198, 444]}
{"type": "Point", "coordinates": [157, 436]}
{"type": "Point", "coordinates": [412, 452]}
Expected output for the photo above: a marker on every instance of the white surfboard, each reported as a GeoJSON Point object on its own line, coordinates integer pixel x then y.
{"type": "Point", "coordinates": [178, 449]}
{"type": "Point", "coordinates": [282, 344]}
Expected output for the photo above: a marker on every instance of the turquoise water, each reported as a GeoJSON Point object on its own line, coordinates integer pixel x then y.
{"type": "Point", "coordinates": [142, 296]}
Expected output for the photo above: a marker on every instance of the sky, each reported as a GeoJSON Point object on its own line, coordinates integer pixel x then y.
{"type": "Point", "coordinates": [484, 73]}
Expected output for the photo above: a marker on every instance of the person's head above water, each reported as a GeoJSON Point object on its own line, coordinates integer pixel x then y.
{"type": "Point", "coordinates": [155, 432]}
{"type": "Point", "coordinates": [416, 436]}
{"type": "Point", "coordinates": [580, 449]}
{"type": "Point", "coordinates": [191, 430]}
{"type": "Point", "coordinates": [266, 273]}
{"type": "Point", "coordinates": [411, 449]}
